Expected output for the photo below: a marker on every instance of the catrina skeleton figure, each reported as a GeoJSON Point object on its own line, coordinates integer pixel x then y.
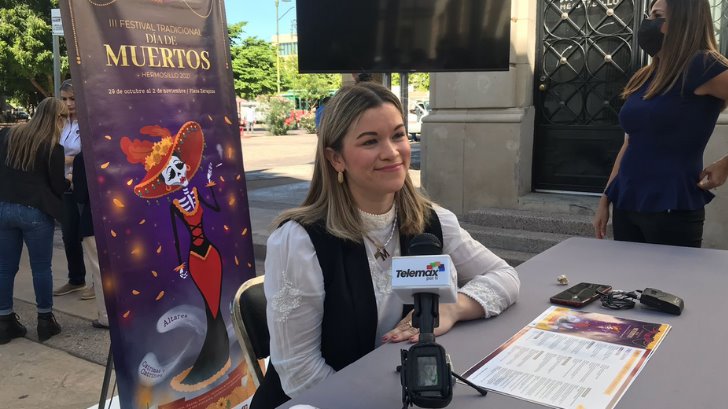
{"type": "Point", "coordinates": [170, 164]}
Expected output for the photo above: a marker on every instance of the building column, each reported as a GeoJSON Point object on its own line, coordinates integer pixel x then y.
{"type": "Point", "coordinates": [477, 144]}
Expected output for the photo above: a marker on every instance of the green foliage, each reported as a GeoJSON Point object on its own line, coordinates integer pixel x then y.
{"type": "Point", "coordinates": [419, 80]}
{"type": "Point", "coordinates": [309, 87]}
{"type": "Point", "coordinates": [236, 31]}
{"type": "Point", "coordinates": [308, 122]}
{"type": "Point", "coordinates": [254, 71]}
{"type": "Point", "coordinates": [279, 112]}
{"type": "Point", "coordinates": [26, 50]}
{"type": "Point", "coordinates": [253, 68]}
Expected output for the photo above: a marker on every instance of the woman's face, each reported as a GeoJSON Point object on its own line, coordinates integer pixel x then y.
{"type": "Point", "coordinates": [375, 155]}
{"type": "Point", "coordinates": [659, 10]}
{"type": "Point", "coordinates": [175, 173]}
{"type": "Point", "coordinates": [70, 100]}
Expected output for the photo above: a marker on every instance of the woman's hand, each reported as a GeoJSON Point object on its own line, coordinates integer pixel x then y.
{"type": "Point", "coordinates": [714, 175]}
{"type": "Point", "coordinates": [464, 309]}
{"type": "Point", "coordinates": [403, 331]}
{"type": "Point", "coordinates": [601, 218]}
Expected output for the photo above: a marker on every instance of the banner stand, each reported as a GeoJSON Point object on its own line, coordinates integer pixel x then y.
{"type": "Point", "coordinates": [107, 380]}
{"type": "Point", "coordinates": [167, 195]}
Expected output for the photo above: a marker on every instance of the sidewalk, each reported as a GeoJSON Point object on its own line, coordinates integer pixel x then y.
{"type": "Point", "coordinates": [66, 372]}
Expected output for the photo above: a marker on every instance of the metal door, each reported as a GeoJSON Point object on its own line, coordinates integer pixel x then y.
{"type": "Point", "coordinates": [587, 53]}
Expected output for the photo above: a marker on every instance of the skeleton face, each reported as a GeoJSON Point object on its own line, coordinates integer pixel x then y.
{"type": "Point", "coordinates": [175, 174]}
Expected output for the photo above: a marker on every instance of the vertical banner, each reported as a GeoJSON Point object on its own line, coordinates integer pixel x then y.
{"type": "Point", "coordinates": [161, 142]}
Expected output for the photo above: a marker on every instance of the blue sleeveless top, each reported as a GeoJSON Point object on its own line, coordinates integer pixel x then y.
{"type": "Point", "coordinates": [661, 166]}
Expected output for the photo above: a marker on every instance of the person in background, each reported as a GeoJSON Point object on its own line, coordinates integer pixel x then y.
{"type": "Point", "coordinates": [361, 77]}
{"type": "Point", "coordinates": [86, 230]}
{"type": "Point", "coordinates": [320, 111]}
{"type": "Point", "coordinates": [31, 171]}
{"type": "Point", "coordinates": [71, 142]}
{"type": "Point", "coordinates": [250, 118]}
{"type": "Point", "coordinates": [658, 188]}
{"type": "Point", "coordinates": [362, 208]}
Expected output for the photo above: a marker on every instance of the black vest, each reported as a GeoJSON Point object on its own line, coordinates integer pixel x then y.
{"type": "Point", "coordinates": [349, 326]}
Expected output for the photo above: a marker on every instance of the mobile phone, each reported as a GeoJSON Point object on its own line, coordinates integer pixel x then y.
{"type": "Point", "coordinates": [580, 294]}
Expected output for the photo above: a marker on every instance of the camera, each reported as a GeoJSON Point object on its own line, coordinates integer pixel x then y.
{"type": "Point", "coordinates": [426, 376]}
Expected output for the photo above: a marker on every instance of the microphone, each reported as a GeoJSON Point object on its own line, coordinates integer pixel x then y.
{"type": "Point", "coordinates": [423, 277]}
{"type": "Point", "coordinates": [424, 270]}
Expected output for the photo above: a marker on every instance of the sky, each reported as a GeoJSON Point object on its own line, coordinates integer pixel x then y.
{"type": "Point", "coordinates": [261, 16]}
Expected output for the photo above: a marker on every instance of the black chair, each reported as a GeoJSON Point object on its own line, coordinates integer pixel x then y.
{"type": "Point", "coordinates": [251, 327]}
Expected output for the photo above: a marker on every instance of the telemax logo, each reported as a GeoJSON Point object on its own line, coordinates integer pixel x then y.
{"type": "Point", "coordinates": [427, 273]}
{"type": "Point", "coordinates": [430, 272]}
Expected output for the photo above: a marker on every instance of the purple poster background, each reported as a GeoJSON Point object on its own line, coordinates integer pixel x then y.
{"type": "Point", "coordinates": [163, 157]}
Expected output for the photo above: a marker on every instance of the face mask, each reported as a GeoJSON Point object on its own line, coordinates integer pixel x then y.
{"type": "Point", "coordinates": [649, 36]}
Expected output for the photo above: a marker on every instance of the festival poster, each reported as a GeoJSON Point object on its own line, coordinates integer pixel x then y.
{"type": "Point", "coordinates": [161, 142]}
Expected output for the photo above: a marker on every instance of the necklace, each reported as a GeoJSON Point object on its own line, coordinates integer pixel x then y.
{"type": "Point", "coordinates": [382, 252]}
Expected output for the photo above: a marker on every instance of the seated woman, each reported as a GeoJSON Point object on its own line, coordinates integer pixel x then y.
{"type": "Point", "coordinates": [328, 283]}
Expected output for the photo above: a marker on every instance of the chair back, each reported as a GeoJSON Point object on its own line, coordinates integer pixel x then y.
{"type": "Point", "coordinates": [251, 327]}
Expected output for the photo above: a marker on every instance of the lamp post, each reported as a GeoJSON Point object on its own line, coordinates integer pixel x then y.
{"type": "Point", "coordinates": [278, 45]}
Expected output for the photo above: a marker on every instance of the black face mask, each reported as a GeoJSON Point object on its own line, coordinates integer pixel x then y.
{"type": "Point", "coordinates": [649, 36]}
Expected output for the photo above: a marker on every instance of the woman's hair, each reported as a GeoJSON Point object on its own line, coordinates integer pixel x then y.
{"type": "Point", "coordinates": [690, 30]}
{"type": "Point", "coordinates": [332, 202]}
{"type": "Point", "coordinates": [41, 132]}
{"type": "Point", "coordinates": [67, 86]}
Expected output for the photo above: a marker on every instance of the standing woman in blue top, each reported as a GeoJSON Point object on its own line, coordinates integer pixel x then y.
{"type": "Point", "coordinates": [658, 186]}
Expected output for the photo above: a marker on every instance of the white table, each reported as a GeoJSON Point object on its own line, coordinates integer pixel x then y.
{"type": "Point", "coordinates": [689, 370]}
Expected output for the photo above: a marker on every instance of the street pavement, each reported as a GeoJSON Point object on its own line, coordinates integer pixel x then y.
{"type": "Point", "coordinates": [66, 372]}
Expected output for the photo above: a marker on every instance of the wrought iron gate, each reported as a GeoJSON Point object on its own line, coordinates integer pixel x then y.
{"type": "Point", "coordinates": [586, 56]}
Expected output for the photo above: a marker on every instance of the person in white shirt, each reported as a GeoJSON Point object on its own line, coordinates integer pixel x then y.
{"type": "Point", "coordinates": [249, 118]}
{"type": "Point", "coordinates": [70, 223]}
{"type": "Point", "coordinates": [327, 282]}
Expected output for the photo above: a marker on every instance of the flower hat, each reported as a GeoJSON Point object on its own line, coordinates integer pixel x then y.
{"type": "Point", "coordinates": [187, 145]}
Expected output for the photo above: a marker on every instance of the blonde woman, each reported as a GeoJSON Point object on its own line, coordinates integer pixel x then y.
{"type": "Point", "coordinates": [31, 171]}
{"type": "Point", "coordinates": [658, 187]}
{"type": "Point", "coordinates": [328, 281]}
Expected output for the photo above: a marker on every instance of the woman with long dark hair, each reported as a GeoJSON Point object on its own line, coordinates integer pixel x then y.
{"type": "Point", "coordinates": [658, 187]}
{"type": "Point", "coordinates": [31, 171]}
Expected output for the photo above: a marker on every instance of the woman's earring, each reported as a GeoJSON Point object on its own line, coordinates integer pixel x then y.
{"type": "Point", "coordinates": [340, 178]}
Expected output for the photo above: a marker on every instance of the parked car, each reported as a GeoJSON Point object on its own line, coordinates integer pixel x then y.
{"type": "Point", "coordinates": [414, 119]}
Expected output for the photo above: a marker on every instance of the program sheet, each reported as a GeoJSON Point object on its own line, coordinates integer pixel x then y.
{"type": "Point", "coordinates": [570, 359]}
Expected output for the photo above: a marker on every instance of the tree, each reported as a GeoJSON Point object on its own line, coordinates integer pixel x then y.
{"type": "Point", "coordinates": [26, 56]}
{"type": "Point", "coordinates": [419, 80]}
{"type": "Point", "coordinates": [254, 71]}
{"type": "Point", "coordinates": [310, 87]}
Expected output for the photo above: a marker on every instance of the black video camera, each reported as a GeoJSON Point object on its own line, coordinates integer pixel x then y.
{"type": "Point", "coordinates": [426, 375]}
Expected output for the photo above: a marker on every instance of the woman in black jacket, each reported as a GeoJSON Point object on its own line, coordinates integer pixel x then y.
{"type": "Point", "coordinates": [31, 171]}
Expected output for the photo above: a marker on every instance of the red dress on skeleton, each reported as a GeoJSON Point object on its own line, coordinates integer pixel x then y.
{"type": "Point", "coordinates": [205, 267]}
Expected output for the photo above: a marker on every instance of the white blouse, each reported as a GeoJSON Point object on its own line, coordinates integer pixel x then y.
{"type": "Point", "coordinates": [294, 288]}
{"type": "Point", "coordinates": [71, 141]}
